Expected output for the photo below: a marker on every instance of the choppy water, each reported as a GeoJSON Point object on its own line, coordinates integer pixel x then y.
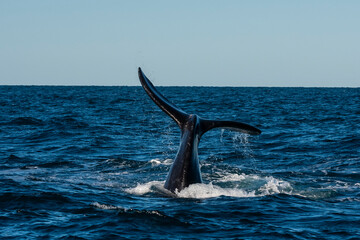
{"type": "Point", "coordinates": [90, 162]}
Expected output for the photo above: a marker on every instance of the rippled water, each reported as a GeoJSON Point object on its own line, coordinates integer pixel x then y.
{"type": "Point", "coordinates": [90, 163]}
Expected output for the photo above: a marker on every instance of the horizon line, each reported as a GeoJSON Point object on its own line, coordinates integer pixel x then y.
{"type": "Point", "coordinates": [208, 86]}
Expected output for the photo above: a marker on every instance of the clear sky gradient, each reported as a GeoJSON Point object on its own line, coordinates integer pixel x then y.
{"type": "Point", "coordinates": [181, 43]}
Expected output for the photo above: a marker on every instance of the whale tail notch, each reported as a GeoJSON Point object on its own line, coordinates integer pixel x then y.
{"type": "Point", "coordinates": [180, 117]}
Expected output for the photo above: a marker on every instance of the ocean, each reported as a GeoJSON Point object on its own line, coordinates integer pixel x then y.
{"type": "Point", "coordinates": [90, 163]}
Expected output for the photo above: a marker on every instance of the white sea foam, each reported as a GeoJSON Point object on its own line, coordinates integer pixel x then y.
{"type": "Point", "coordinates": [104, 206]}
{"type": "Point", "coordinates": [155, 161]}
{"type": "Point", "coordinates": [145, 188]}
{"type": "Point", "coordinates": [210, 191]}
{"type": "Point", "coordinates": [158, 161]}
{"type": "Point", "coordinates": [274, 186]}
{"type": "Point", "coordinates": [233, 177]}
{"type": "Point", "coordinates": [259, 186]}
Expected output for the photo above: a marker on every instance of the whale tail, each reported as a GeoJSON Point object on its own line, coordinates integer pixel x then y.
{"type": "Point", "coordinates": [181, 117]}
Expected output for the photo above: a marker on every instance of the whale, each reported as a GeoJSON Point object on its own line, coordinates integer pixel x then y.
{"type": "Point", "coordinates": [185, 169]}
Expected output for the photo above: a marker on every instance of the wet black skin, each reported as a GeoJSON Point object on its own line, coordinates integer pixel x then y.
{"type": "Point", "coordinates": [185, 169]}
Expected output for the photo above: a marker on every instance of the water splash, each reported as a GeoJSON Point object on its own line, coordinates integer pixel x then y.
{"type": "Point", "coordinates": [241, 144]}
{"type": "Point", "coordinates": [158, 161]}
{"type": "Point", "coordinates": [256, 186]}
{"type": "Point", "coordinates": [142, 189]}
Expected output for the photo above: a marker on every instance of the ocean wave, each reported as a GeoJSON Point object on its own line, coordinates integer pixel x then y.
{"type": "Point", "coordinates": [55, 164]}
{"type": "Point", "coordinates": [146, 215]}
{"type": "Point", "coordinates": [105, 206]}
{"type": "Point", "coordinates": [32, 200]}
{"type": "Point", "coordinates": [68, 122]}
{"type": "Point", "coordinates": [26, 121]}
{"type": "Point", "coordinates": [126, 210]}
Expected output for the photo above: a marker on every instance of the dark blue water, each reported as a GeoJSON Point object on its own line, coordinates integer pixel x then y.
{"type": "Point", "coordinates": [90, 162]}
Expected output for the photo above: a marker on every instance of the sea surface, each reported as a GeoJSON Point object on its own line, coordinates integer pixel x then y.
{"type": "Point", "coordinates": [90, 163]}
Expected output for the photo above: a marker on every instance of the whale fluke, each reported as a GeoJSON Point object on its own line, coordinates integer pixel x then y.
{"type": "Point", "coordinates": [172, 110]}
{"type": "Point", "coordinates": [207, 125]}
{"type": "Point", "coordinates": [185, 169]}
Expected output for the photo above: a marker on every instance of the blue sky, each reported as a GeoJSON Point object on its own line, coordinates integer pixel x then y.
{"type": "Point", "coordinates": [181, 43]}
